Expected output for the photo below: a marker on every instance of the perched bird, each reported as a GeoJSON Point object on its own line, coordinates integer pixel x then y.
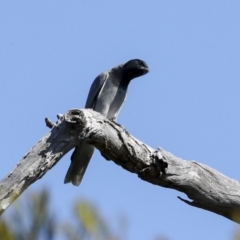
{"type": "Point", "coordinates": [106, 96]}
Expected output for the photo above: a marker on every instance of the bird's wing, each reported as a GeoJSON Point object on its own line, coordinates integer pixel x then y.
{"type": "Point", "coordinates": [116, 114]}
{"type": "Point", "coordinates": [96, 89]}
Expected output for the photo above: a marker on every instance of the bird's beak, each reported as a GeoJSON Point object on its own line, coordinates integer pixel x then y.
{"type": "Point", "coordinates": [145, 69]}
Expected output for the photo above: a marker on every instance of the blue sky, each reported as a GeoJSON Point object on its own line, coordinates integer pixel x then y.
{"type": "Point", "coordinates": [188, 104]}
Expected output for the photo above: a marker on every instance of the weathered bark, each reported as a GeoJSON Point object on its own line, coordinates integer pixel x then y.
{"type": "Point", "coordinates": [207, 188]}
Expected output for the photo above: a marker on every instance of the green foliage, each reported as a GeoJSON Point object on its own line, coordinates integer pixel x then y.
{"type": "Point", "coordinates": [5, 231]}
{"type": "Point", "coordinates": [32, 219]}
{"type": "Point", "coordinates": [29, 219]}
{"type": "Point", "coordinates": [88, 224]}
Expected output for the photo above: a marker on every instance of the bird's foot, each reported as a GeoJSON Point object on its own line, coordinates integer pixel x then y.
{"type": "Point", "coordinates": [116, 123]}
{"type": "Point", "coordinates": [121, 126]}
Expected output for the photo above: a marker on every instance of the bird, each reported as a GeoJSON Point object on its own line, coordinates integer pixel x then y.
{"type": "Point", "coordinates": [106, 96]}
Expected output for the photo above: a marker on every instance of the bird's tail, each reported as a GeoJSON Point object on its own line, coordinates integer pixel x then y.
{"type": "Point", "coordinates": [79, 162]}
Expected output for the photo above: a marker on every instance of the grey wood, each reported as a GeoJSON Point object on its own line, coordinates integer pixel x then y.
{"type": "Point", "coordinates": [205, 187]}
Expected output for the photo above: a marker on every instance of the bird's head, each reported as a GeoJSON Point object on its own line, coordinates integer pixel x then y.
{"type": "Point", "coordinates": [134, 68]}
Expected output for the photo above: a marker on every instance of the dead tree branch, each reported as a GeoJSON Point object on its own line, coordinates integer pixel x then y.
{"type": "Point", "coordinates": [205, 187]}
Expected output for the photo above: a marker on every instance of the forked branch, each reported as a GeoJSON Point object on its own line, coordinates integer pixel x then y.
{"type": "Point", "coordinates": [205, 187]}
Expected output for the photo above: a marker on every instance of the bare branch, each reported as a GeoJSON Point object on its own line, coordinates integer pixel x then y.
{"type": "Point", "coordinates": [49, 123]}
{"type": "Point", "coordinates": [205, 187]}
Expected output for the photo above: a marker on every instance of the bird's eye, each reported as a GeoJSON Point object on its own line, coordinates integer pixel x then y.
{"type": "Point", "coordinates": [139, 62]}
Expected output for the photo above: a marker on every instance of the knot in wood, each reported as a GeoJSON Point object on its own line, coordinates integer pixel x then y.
{"type": "Point", "coordinates": [158, 162]}
{"type": "Point", "coordinates": [75, 119]}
